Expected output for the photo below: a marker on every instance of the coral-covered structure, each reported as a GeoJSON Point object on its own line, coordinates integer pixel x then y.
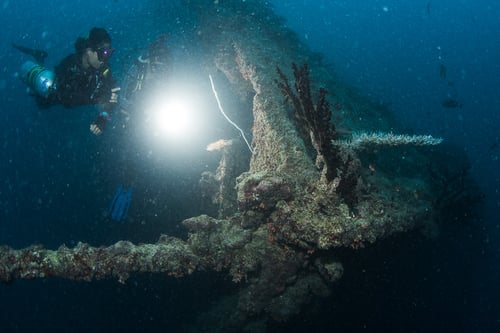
{"type": "Point", "coordinates": [281, 221]}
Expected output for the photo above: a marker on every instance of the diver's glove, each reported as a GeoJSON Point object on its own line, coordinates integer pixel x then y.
{"type": "Point", "coordinates": [98, 125]}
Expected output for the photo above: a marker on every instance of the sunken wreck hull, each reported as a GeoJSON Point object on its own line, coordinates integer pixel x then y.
{"type": "Point", "coordinates": [281, 218]}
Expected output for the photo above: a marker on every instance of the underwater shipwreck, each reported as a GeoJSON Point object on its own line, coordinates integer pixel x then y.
{"type": "Point", "coordinates": [324, 171]}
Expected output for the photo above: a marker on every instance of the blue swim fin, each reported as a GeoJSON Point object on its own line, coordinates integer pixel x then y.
{"type": "Point", "coordinates": [121, 203]}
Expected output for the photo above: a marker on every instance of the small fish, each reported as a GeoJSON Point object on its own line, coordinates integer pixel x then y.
{"type": "Point", "coordinates": [451, 103]}
{"type": "Point", "coordinates": [494, 145]}
{"type": "Point", "coordinates": [442, 72]}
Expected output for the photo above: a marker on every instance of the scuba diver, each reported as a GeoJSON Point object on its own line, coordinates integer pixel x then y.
{"type": "Point", "coordinates": [148, 68]}
{"type": "Point", "coordinates": [150, 64]}
{"type": "Point", "coordinates": [82, 78]}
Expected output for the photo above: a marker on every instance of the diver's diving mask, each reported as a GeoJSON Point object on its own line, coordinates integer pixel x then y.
{"type": "Point", "coordinates": [104, 53]}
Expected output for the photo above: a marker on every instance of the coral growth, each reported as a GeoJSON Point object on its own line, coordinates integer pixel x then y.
{"type": "Point", "coordinates": [340, 167]}
{"type": "Point", "coordinates": [359, 141]}
{"type": "Point", "coordinates": [312, 120]}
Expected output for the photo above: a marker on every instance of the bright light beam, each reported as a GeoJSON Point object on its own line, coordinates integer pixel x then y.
{"type": "Point", "coordinates": [171, 117]}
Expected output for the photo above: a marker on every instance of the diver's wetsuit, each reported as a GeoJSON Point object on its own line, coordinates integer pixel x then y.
{"type": "Point", "coordinates": [79, 86]}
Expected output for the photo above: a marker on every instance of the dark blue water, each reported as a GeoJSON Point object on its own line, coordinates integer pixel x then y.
{"type": "Point", "coordinates": [57, 180]}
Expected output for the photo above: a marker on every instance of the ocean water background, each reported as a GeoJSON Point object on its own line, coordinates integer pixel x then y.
{"type": "Point", "coordinates": [57, 180]}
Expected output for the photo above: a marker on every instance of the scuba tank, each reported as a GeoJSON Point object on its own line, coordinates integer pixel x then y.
{"type": "Point", "coordinates": [38, 78]}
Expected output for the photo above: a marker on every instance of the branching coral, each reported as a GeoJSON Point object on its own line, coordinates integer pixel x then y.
{"type": "Point", "coordinates": [340, 167]}
{"type": "Point", "coordinates": [313, 121]}
{"type": "Point", "coordinates": [360, 141]}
